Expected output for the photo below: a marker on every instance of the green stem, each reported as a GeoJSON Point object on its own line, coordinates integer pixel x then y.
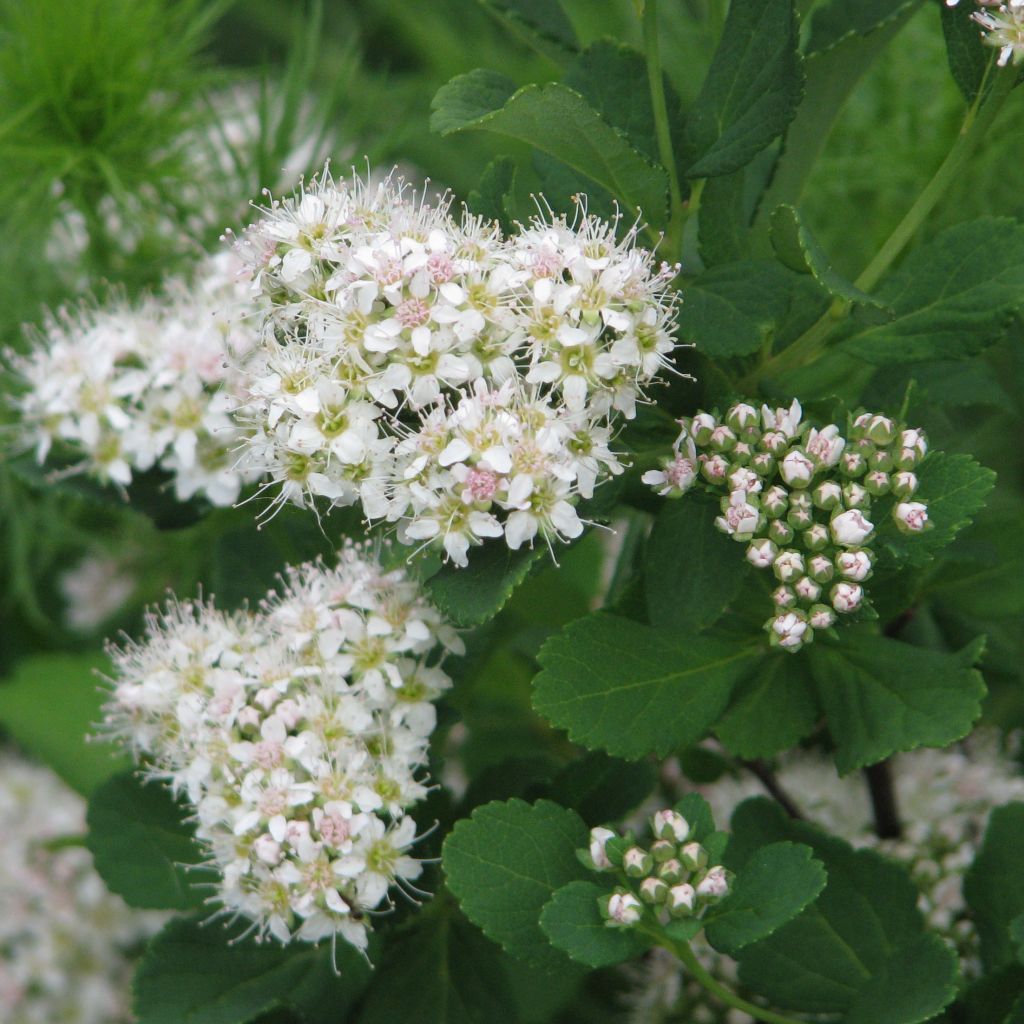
{"type": "Point", "coordinates": [656, 81]}
{"type": "Point", "coordinates": [694, 966]}
{"type": "Point", "coordinates": [977, 122]}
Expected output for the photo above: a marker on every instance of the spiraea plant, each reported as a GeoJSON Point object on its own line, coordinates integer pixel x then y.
{"type": "Point", "coordinates": [595, 516]}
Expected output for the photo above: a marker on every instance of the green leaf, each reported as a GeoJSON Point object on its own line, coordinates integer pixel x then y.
{"type": "Point", "coordinates": [440, 970]}
{"type": "Point", "coordinates": [505, 861]}
{"type": "Point", "coordinates": [843, 954]}
{"type": "Point", "coordinates": [199, 974]}
{"type": "Point", "coordinates": [968, 55]}
{"type": "Point", "coordinates": [557, 121]}
{"type": "Point", "coordinates": [573, 923]}
{"type": "Point", "coordinates": [994, 885]}
{"type": "Point", "coordinates": [733, 309]}
{"type": "Point", "coordinates": [478, 592]}
{"type": "Point", "coordinates": [50, 705]}
{"type": "Point", "coordinates": [620, 686]}
{"type": "Point", "coordinates": [602, 788]}
{"type": "Point", "coordinates": [837, 20]}
{"type": "Point", "coordinates": [954, 487]}
{"type": "Point", "coordinates": [883, 696]}
{"type": "Point", "coordinates": [752, 88]}
{"type": "Point", "coordinates": [951, 298]}
{"type": "Point", "coordinates": [798, 249]}
{"type": "Point", "coordinates": [771, 889]}
{"type": "Point", "coordinates": [1017, 936]}
{"type": "Point", "coordinates": [550, 29]}
{"type": "Point", "coordinates": [773, 708]}
{"type": "Point", "coordinates": [723, 228]}
{"type": "Point", "coordinates": [692, 571]}
{"type": "Point", "coordinates": [142, 845]}
{"type": "Point", "coordinates": [697, 812]}
{"type": "Point", "coordinates": [494, 198]}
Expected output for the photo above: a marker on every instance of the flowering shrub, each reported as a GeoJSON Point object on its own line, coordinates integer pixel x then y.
{"type": "Point", "coordinates": [598, 562]}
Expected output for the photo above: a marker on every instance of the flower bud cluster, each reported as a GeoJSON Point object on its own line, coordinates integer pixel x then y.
{"type": "Point", "coordinates": [450, 380]}
{"type": "Point", "coordinates": [1002, 24]}
{"type": "Point", "coordinates": [800, 499]}
{"type": "Point", "coordinates": [299, 733]}
{"type": "Point", "coordinates": [670, 877]}
{"type": "Point", "coordinates": [128, 387]}
{"type": "Point", "coordinates": [65, 941]}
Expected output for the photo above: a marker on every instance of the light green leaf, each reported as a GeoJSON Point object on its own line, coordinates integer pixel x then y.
{"type": "Point", "coordinates": [752, 88]}
{"type": "Point", "coordinates": [620, 686]}
{"type": "Point", "coordinates": [142, 845]}
{"type": "Point", "coordinates": [505, 861]}
{"type": "Point", "coordinates": [951, 298]}
{"type": "Point", "coordinates": [440, 970]}
{"type": "Point", "coordinates": [573, 923]}
{"type": "Point", "coordinates": [558, 121]}
{"type": "Point", "coordinates": [733, 309]}
{"type": "Point", "coordinates": [691, 570]}
{"type": "Point", "coordinates": [843, 953]}
{"type": "Point", "coordinates": [547, 27]}
{"type": "Point", "coordinates": [994, 885]}
{"type": "Point", "coordinates": [773, 708]}
{"type": "Point", "coordinates": [774, 885]}
{"type": "Point", "coordinates": [954, 487]}
{"type": "Point", "coordinates": [881, 696]}
{"type": "Point", "coordinates": [799, 250]}
{"type": "Point", "coordinates": [476, 593]}
{"type": "Point", "coordinates": [50, 705]}
{"type": "Point", "coordinates": [199, 974]}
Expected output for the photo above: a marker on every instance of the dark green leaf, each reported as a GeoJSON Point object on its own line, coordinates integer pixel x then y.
{"type": "Point", "coordinates": [142, 845]}
{"type": "Point", "coordinates": [558, 121]}
{"type": "Point", "coordinates": [842, 954]}
{"type": "Point", "coordinates": [883, 696]}
{"type": "Point", "coordinates": [773, 708]}
{"type": "Point", "coordinates": [752, 89]}
{"type": "Point", "coordinates": [733, 309]}
{"type": "Point", "coordinates": [620, 686]}
{"type": "Point", "coordinates": [441, 970]}
{"type": "Point", "coordinates": [196, 974]}
{"type": "Point", "coordinates": [951, 298]}
{"type": "Point", "coordinates": [798, 249]}
{"type": "Point", "coordinates": [573, 923]}
{"type": "Point", "coordinates": [837, 20]}
{"type": "Point", "coordinates": [479, 591]}
{"type": "Point", "coordinates": [505, 861]}
{"type": "Point", "coordinates": [723, 228]}
{"type": "Point", "coordinates": [691, 570]}
{"type": "Point", "coordinates": [546, 20]}
{"type": "Point", "coordinates": [494, 198]}
{"type": "Point", "coordinates": [50, 705]}
{"type": "Point", "coordinates": [994, 885]}
{"type": "Point", "coordinates": [968, 55]}
{"type": "Point", "coordinates": [774, 885]}
{"type": "Point", "coordinates": [603, 789]}
{"type": "Point", "coordinates": [697, 812]}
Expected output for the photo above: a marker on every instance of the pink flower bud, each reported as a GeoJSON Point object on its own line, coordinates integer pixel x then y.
{"type": "Point", "coordinates": [598, 838]}
{"type": "Point", "coordinates": [911, 516]}
{"type": "Point", "coordinates": [714, 885]}
{"type": "Point", "coordinates": [821, 617]}
{"type": "Point", "coordinates": [806, 589]}
{"type": "Point", "coordinates": [788, 566]}
{"type": "Point", "coordinates": [783, 597]}
{"type": "Point", "coordinates": [851, 528]}
{"type": "Point", "coordinates": [681, 899]}
{"type": "Point", "coordinates": [796, 469]}
{"type": "Point", "coordinates": [847, 597]}
{"type": "Point", "coordinates": [623, 909]}
{"type": "Point", "coordinates": [714, 469]}
{"type": "Point", "coordinates": [670, 825]}
{"type": "Point", "coordinates": [788, 631]}
{"type": "Point", "coordinates": [761, 553]}
{"type": "Point", "coordinates": [904, 484]}
{"type": "Point", "coordinates": [744, 479]}
{"type": "Point", "coordinates": [854, 565]}
{"type": "Point", "coordinates": [637, 862]}
{"type": "Point", "coordinates": [653, 890]}
{"type": "Point", "coordinates": [825, 446]}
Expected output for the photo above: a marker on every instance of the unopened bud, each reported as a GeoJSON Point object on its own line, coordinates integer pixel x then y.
{"type": "Point", "coordinates": [741, 416]}
{"type": "Point", "coordinates": [882, 461]}
{"type": "Point", "coordinates": [821, 616]}
{"type": "Point", "coordinates": [847, 597]}
{"type": "Point", "coordinates": [788, 631]}
{"type": "Point", "coordinates": [774, 442]}
{"type": "Point", "coordinates": [825, 446]}
{"type": "Point", "coordinates": [815, 537]}
{"type": "Point", "coordinates": [877, 483]}
{"type": "Point", "coordinates": [621, 909]}
{"type": "Point", "coordinates": [671, 871]}
{"type": "Point", "coordinates": [714, 885]}
{"type": "Point", "coordinates": [784, 597]}
{"type": "Point", "coordinates": [714, 468]}
{"type": "Point", "coordinates": [663, 850]}
{"type": "Point", "coordinates": [856, 496]}
{"type": "Point", "coordinates": [763, 463]}
{"type": "Point", "coordinates": [693, 857]}
{"type": "Point", "coordinates": [761, 553]}
{"type": "Point", "coordinates": [851, 528]}
{"type": "Point", "coordinates": [806, 589]}
{"type": "Point", "coordinates": [637, 862]}
{"type": "Point", "coordinates": [743, 479]}
{"type": "Point", "coordinates": [904, 484]}
{"type": "Point", "coordinates": [700, 427]}
{"type": "Point", "coordinates": [796, 469]}
{"type": "Point", "coordinates": [780, 532]}
{"type": "Point", "coordinates": [881, 430]}
{"type": "Point", "coordinates": [915, 442]}
{"type": "Point", "coordinates": [741, 454]}
{"type": "Point", "coordinates": [820, 568]}
{"type": "Point", "coordinates": [827, 495]}
{"type": "Point", "coordinates": [721, 439]}
{"type": "Point", "coordinates": [653, 890]}
{"type": "Point", "coordinates": [681, 900]}
{"type": "Point", "coordinates": [852, 464]}
{"type": "Point", "coordinates": [911, 516]}
{"type": "Point", "coordinates": [854, 565]}
{"type": "Point", "coordinates": [775, 501]}
{"type": "Point", "coordinates": [598, 855]}
{"type": "Point", "coordinates": [788, 566]}
{"type": "Point", "coordinates": [670, 825]}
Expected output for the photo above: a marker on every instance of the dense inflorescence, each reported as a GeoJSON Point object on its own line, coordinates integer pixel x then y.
{"type": "Point", "coordinates": [449, 380]}
{"type": "Point", "coordinates": [299, 733]}
{"type": "Point", "coordinates": [124, 388]}
{"type": "Point", "coordinates": [65, 941]}
{"type": "Point", "coordinates": [1002, 25]}
{"type": "Point", "coordinates": [800, 498]}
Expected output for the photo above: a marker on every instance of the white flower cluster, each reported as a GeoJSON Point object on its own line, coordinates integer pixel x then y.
{"type": "Point", "coordinates": [1002, 24]}
{"type": "Point", "coordinates": [65, 941]}
{"type": "Point", "coordinates": [458, 383]}
{"type": "Point", "coordinates": [298, 733]}
{"type": "Point", "coordinates": [129, 387]}
{"type": "Point", "coordinates": [943, 797]}
{"type": "Point", "coordinates": [782, 480]}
